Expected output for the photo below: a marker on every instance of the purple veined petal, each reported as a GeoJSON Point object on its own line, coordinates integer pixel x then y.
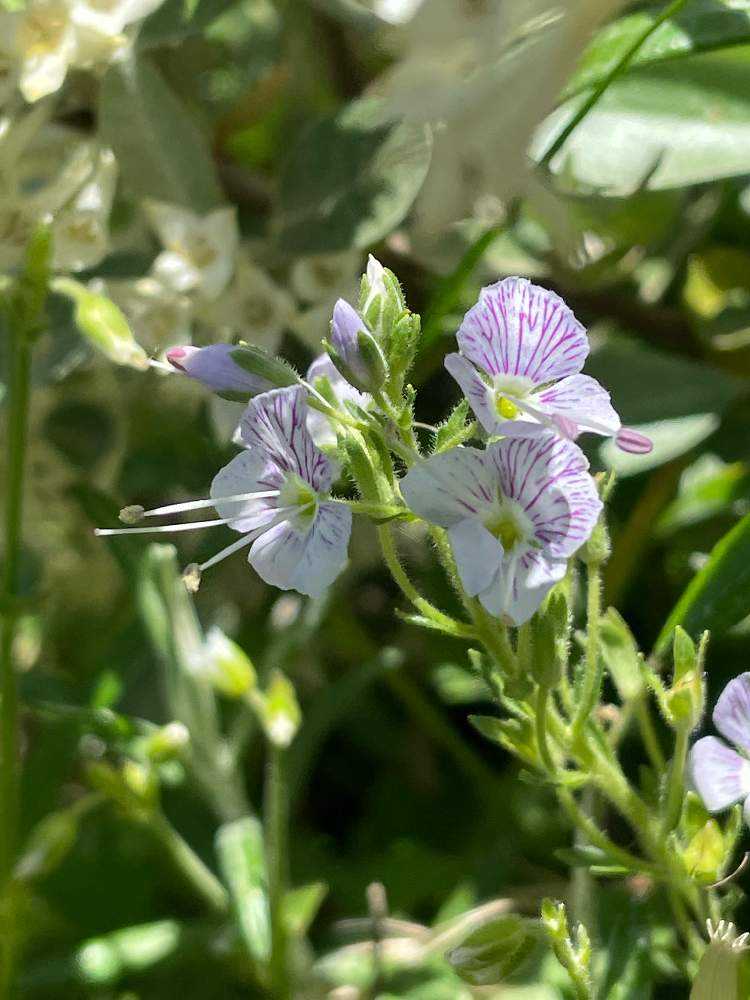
{"type": "Point", "coordinates": [581, 400]}
{"type": "Point", "coordinates": [548, 477]}
{"type": "Point", "coordinates": [517, 328]}
{"type": "Point", "coordinates": [275, 422]}
{"type": "Point", "coordinates": [719, 774]}
{"type": "Point", "coordinates": [632, 441]}
{"type": "Point", "coordinates": [521, 585]}
{"type": "Point", "coordinates": [214, 367]}
{"type": "Point", "coordinates": [320, 427]}
{"type": "Point", "coordinates": [305, 561]}
{"type": "Point", "coordinates": [732, 712]}
{"type": "Point", "coordinates": [477, 552]}
{"type": "Point", "coordinates": [447, 488]}
{"type": "Point", "coordinates": [477, 392]}
{"type": "Point", "coordinates": [248, 472]}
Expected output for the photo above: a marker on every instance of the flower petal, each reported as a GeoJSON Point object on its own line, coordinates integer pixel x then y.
{"type": "Point", "coordinates": [521, 585]}
{"type": "Point", "coordinates": [450, 487]}
{"type": "Point", "coordinates": [478, 554]}
{"type": "Point", "coordinates": [580, 399]}
{"type": "Point", "coordinates": [517, 328]}
{"type": "Point", "coordinates": [307, 562]}
{"type": "Point", "coordinates": [275, 422]}
{"type": "Point", "coordinates": [248, 472]}
{"type": "Point", "coordinates": [475, 389]}
{"type": "Point", "coordinates": [720, 775]}
{"type": "Point", "coordinates": [548, 477]}
{"type": "Point", "coordinates": [320, 427]}
{"type": "Point", "coordinates": [732, 712]}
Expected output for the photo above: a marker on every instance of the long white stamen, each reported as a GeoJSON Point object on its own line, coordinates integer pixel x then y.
{"type": "Point", "coordinates": [189, 526]}
{"type": "Point", "coordinates": [178, 508]}
{"type": "Point", "coordinates": [228, 551]}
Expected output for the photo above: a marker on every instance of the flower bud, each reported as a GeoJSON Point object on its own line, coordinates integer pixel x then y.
{"type": "Point", "coordinates": [102, 324]}
{"type": "Point", "coordinates": [279, 710]}
{"type": "Point", "coordinates": [354, 350]}
{"type": "Point", "coordinates": [550, 630]}
{"type": "Point", "coordinates": [233, 371]}
{"type": "Point", "coordinates": [705, 855]}
{"type": "Point", "coordinates": [685, 700]}
{"type": "Point", "coordinates": [47, 845]}
{"type": "Point", "coordinates": [167, 742]}
{"type": "Point", "coordinates": [227, 666]}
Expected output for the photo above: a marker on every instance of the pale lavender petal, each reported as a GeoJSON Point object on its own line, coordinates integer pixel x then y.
{"type": "Point", "coordinates": [305, 561]}
{"type": "Point", "coordinates": [720, 775]}
{"type": "Point", "coordinates": [631, 440]}
{"type": "Point", "coordinates": [548, 477]}
{"type": "Point", "coordinates": [477, 392]}
{"type": "Point", "coordinates": [517, 328]}
{"type": "Point", "coordinates": [732, 712]}
{"type": "Point", "coordinates": [582, 401]}
{"type": "Point", "coordinates": [478, 554]}
{"type": "Point", "coordinates": [275, 422]}
{"type": "Point", "coordinates": [345, 327]}
{"type": "Point", "coordinates": [214, 367]}
{"type": "Point", "coordinates": [450, 487]}
{"type": "Point", "coordinates": [248, 472]}
{"type": "Point", "coordinates": [521, 585]}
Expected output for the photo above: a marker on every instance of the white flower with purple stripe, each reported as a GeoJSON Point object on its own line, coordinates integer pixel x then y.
{"type": "Point", "coordinates": [321, 427]}
{"type": "Point", "coordinates": [720, 774]}
{"type": "Point", "coordinates": [515, 513]}
{"type": "Point", "coordinates": [276, 494]}
{"type": "Point", "coordinates": [521, 355]}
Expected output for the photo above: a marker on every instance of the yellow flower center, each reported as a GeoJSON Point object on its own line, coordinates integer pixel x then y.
{"type": "Point", "coordinates": [42, 29]}
{"type": "Point", "coordinates": [508, 522]}
{"type": "Point", "coordinates": [300, 495]}
{"type": "Point", "coordinates": [505, 408]}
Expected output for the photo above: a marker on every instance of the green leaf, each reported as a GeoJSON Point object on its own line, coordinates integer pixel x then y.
{"type": "Point", "coordinates": [350, 179]}
{"type": "Point", "coordinates": [495, 950]}
{"type": "Point", "coordinates": [676, 402]}
{"type": "Point", "coordinates": [301, 906]}
{"type": "Point", "coordinates": [707, 488]}
{"type": "Point", "coordinates": [239, 848]}
{"type": "Point", "coordinates": [702, 26]}
{"type": "Point", "coordinates": [177, 20]}
{"type": "Point", "coordinates": [160, 149]}
{"type": "Point", "coordinates": [659, 126]}
{"type": "Point", "coordinates": [719, 595]}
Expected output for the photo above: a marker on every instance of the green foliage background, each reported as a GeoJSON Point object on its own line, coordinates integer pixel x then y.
{"type": "Point", "coordinates": [331, 131]}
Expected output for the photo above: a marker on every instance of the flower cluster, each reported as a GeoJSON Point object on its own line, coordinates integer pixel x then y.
{"type": "Point", "coordinates": [515, 509]}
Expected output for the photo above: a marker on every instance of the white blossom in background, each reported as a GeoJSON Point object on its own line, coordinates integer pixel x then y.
{"type": "Point", "coordinates": [253, 308]}
{"type": "Point", "coordinates": [199, 252]}
{"type": "Point", "coordinates": [396, 11]}
{"type": "Point", "coordinates": [319, 281]}
{"type": "Point", "coordinates": [484, 75]}
{"type": "Point", "coordinates": [81, 229]}
{"type": "Point", "coordinates": [50, 37]}
{"type": "Point", "coordinates": [158, 317]}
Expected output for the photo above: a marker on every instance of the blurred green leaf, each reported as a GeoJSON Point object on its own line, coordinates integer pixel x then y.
{"type": "Point", "coordinates": [301, 906]}
{"type": "Point", "coordinates": [160, 149]}
{"type": "Point", "coordinates": [239, 847]}
{"type": "Point", "coordinates": [492, 952]}
{"type": "Point", "coordinates": [719, 595]}
{"type": "Point", "coordinates": [701, 26]}
{"type": "Point", "coordinates": [708, 487]}
{"type": "Point", "coordinates": [660, 126]}
{"type": "Point", "coordinates": [350, 179]}
{"type": "Point", "coordinates": [176, 20]}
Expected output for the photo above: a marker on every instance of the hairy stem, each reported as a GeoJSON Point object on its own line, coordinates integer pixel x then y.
{"type": "Point", "coordinates": [592, 680]}
{"type": "Point", "coordinates": [195, 872]}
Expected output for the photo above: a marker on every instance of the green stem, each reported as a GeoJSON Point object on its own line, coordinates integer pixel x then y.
{"type": "Point", "coordinates": [598, 92]}
{"type": "Point", "coordinates": [195, 872]}
{"type": "Point", "coordinates": [649, 735]}
{"type": "Point", "coordinates": [542, 703]}
{"type": "Point", "coordinates": [19, 383]}
{"type": "Point", "coordinates": [593, 674]}
{"type": "Point", "coordinates": [598, 838]}
{"type": "Point", "coordinates": [676, 782]}
{"type": "Point", "coordinates": [276, 828]}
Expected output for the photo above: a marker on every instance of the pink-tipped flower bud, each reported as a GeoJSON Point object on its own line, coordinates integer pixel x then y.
{"type": "Point", "coordinates": [216, 367]}
{"type": "Point", "coordinates": [629, 440]}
